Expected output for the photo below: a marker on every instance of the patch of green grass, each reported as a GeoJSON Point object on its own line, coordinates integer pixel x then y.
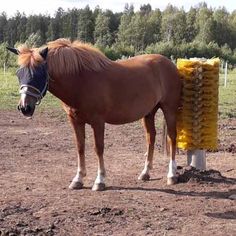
{"type": "Point", "coordinates": [227, 96]}
{"type": "Point", "coordinates": [9, 94]}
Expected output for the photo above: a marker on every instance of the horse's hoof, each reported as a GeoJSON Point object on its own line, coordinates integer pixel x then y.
{"type": "Point", "coordinates": [76, 185]}
{"type": "Point", "coordinates": [99, 187]}
{"type": "Point", "coordinates": [144, 177]}
{"type": "Point", "coordinates": [172, 180]}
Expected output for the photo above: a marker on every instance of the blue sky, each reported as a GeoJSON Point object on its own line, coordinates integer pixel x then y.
{"type": "Point", "coordinates": [50, 6]}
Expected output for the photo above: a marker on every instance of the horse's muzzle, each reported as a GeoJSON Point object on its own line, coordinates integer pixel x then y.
{"type": "Point", "coordinates": [27, 110]}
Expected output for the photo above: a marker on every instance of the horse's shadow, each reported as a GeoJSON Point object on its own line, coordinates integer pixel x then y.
{"type": "Point", "coordinates": [191, 193]}
{"type": "Point", "coordinates": [227, 215]}
{"type": "Point", "coordinates": [209, 194]}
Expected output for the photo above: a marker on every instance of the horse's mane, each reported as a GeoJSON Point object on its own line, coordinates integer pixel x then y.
{"type": "Point", "coordinates": [66, 57]}
{"type": "Point", "coordinates": [29, 57]}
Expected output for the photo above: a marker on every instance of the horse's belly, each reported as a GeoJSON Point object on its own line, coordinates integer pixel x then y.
{"type": "Point", "coordinates": [122, 121]}
{"type": "Point", "coordinates": [129, 114]}
{"type": "Point", "coordinates": [131, 103]}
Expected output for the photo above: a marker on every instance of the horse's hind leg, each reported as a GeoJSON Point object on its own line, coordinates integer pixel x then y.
{"type": "Point", "coordinates": [149, 125]}
{"type": "Point", "coordinates": [79, 128]}
{"type": "Point", "coordinates": [170, 116]}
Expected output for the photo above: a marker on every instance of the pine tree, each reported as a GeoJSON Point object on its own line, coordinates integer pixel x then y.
{"type": "Point", "coordinates": [3, 25]}
{"type": "Point", "coordinates": [85, 25]}
{"type": "Point", "coordinates": [124, 30]}
{"type": "Point", "coordinates": [102, 35]}
{"type": "Point", "coordinates": [204, 24]}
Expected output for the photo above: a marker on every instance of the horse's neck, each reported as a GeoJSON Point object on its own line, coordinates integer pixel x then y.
{"type": "Point", "coordinates": [56, 85]}
{"type": "Point", "coordinates": [64, 88]}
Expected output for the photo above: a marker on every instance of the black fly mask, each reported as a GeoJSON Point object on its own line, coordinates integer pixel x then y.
{"type": "Point", "coordinates": [33, 83]}
{"type": "Point", "coordinates": [34, 78]}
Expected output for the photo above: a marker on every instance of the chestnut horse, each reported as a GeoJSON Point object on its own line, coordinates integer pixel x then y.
{"type": "Point", "coordinates": [95, 90]}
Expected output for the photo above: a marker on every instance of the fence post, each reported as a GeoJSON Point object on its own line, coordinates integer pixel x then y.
{"type": "Point", "coordinates": [4, 69]}
{"type": "Point", "coordinates": [226, 71]}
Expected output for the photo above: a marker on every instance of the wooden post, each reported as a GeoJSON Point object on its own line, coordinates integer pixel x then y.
{"type": "Point", "coordinates": [197, 159]}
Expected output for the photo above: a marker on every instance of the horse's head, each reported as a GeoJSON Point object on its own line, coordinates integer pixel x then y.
{"type": "Point", "coordinates": [33, 82]}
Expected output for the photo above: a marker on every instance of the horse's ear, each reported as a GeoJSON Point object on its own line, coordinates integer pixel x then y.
{"type": "Point", "coordinates": [44, 53]}
{"type": "Point", "coordinates": [14, 50]}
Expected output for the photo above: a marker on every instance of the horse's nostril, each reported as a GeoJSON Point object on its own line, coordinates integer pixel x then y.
{"type": "Point", "coordinates": [19, 107]}
{"type": "Point", "coordinates": [27, 109]}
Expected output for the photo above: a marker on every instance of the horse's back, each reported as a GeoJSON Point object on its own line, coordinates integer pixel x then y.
{"type": "Point", "coordinates": [139, 84]}
{"type": "Point", "coordinates": [153, 72]}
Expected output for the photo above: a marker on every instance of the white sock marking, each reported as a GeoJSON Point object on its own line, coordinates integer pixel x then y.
{"type": "Point", "coordinates": [172, 169]}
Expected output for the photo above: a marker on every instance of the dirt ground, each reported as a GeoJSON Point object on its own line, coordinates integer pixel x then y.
{"type": "Point", "coordinates": [38, 161]}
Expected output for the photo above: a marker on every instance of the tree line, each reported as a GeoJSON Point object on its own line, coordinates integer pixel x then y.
{"type": "Point", "coordinates": [199, 32]}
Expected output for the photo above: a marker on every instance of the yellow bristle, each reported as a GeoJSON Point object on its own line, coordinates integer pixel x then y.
{"type": "Point", "coordinates": [197, 117]}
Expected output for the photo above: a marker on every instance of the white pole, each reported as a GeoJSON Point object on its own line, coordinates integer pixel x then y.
{"type": "Point", "coordinates": [226, 69]}
{"type": "Point", "coordinates": [197, 159]}
{"type": "Point", "coordinates": [4, 73]}
{"type": "Point", "coordinates": [4, 69]}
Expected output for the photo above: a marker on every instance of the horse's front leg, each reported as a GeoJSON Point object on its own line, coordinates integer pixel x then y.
{"type": "Point", "coordinates": [79, 129]}
{"type": "Point", "coordinates": [98, 129]}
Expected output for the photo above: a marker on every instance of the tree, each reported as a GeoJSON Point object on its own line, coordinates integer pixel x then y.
{"type": "Point", "coordinates": [138, 29]}
{"type": "Point", "coordinates": [34, 40]}
{"type": "Point", "coordinates": [20, 21]}
{"type": "Point", "coordinates": [232, 26]}
{"type": "Point", "coordinates": [191, 31]}
{"type": "Point", "coordinates": [222, 29]}
{"type": "Point", "coordinates": [114, 21]}
{"type": "Point", "coordinates": [129, 9]}
{"type": "Point", "coordinates": [50, 32]}
{"type": "Point", "coordinates": [102, 35]}
{"type": "Point", "coordinates": [145, 9]}
{"type": "Point", "coordinates": [72, 18]}
{"type": "Point", "coordinates": [205, 24]}
{"type": "Point", "coordinates": [4, 54]}
{"type": "Point", "coordinates": [124, 30]}
{"type": "Point", "coordinates": [39, 24]}
{"type": "Point", "coordinates": [6, 57]}
{"type": "Point", "coordinates": [55, 28]}
{"type": "Point", "coordinates": [173, 25]}
{"type": "Point", "coordinates": [153, 33]}
{"type": "Point", "coordinates": [86, 25]}
{"type": "Point", "coordinates": [11, 36]}
{"type": "Point", "coordinates": [226, 52]}
{"type": "Point", "coordinates": [3, 25]}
